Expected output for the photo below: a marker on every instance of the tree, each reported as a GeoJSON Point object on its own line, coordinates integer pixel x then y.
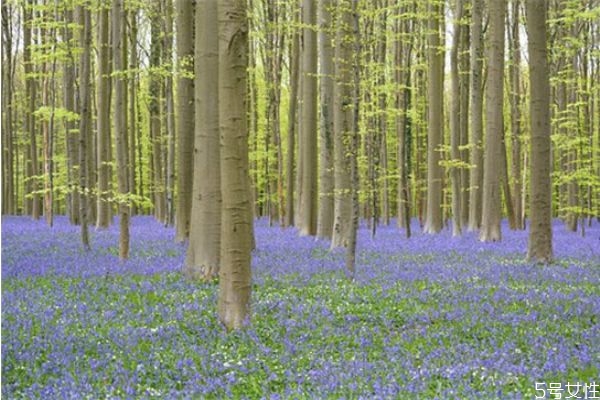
{"type": "Point", "coordinates": [103, 121]}
{"type": "Point", "coordinates": [492, 206]}
{"type": "Point", "coordinates": [435, 132]}
{"type": "Point", "coordinates": [343, 120]}
{"type": "Point", "coordinates": [160, 211]}
{"type": "Point", "coordinates": [236, 226]}
{"type": "Point", "coordinates": [540, 203]}
{"type": "Point", "coordinates": [119, 44]}
{"type": "Point", "coordinates": [326, 180]}
{"type": "Point", "coordinates": [203, 254]}
{"type": "Point", "coordinates": [85, 119]}
{"type": "Point", "coordinates": [8, 186]}
{"type": "Point", "coordinates": [292, 123]}
{"type": "Point", "coordinates": [476, 171]}
{"type": "Point", "coordinates": [455, 113]}
{"type": "Point", "coordinates": [169, 107]}
{"type": "Point", "coordinates": [185, 117]}
{"type": "Point", "coordinates": [308, 142]}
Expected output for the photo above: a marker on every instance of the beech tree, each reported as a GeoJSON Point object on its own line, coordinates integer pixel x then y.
{"type": "Point", "coordinates": [236, 225]}
{"type": "Point", "coordinates": [492, 205]}
{"type": "Point", "coordinates": [540, 232]}
{"type": "Point", "coordinates": [204, 248]}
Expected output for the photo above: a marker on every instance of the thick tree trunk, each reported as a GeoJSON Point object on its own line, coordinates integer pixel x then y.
{"type": "Point", "coordinates": [203, 255]}
{"type": "Point", "coordinates": [103, 122]}
{"type": "Point", "coordinates": [435, 127]}
{"type": "Point", "coordinates": [540, 233]}
{"type": "Point", "coordinates": [308, 128]}
{"type": "Point", "coordinates": [234, 274]}
{"type": "Point", "coordinates": [492, 200]}
{"type": "Point", "coordinates": [476, 172]}
{"type": "Point", "coordinates": [326, 180]}
{"type": "Point", "coordinates": [185, 117]}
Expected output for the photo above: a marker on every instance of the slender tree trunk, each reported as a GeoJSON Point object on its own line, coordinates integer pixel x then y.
{"type": "Point", "coordinates": [291, 130]}
{"type": "Point", "coordinates": [326, 180]}
{"type": "Point", "coordinates": [515, 113]}
{"type": "Point", "coordinates": [85, 120]}
{"type": "Point", "coordinates": [540, 233]}
{"type": "Point", "coordinates": [33, 200]}
{"type": "Point", "coordinates": [351, 16]}
{"type": "Point", "coordinates": [343, 128]}
{"type": "Point", "coordinates": [492, 201]}
{"type": "Point", "coordinates": [71, 130]}
{"type": "Point", "coordinates": [185, 117]}
{"type": "Point", "coordinates": [103, 122]}
{"type": "Point", "coordinates": [133, 109]}
{"type": "Point", "coordinates": [155, 116]}
{"type": "Point", "coordinates": [235, 274]}
{"type": "Point", "coordinates": [455, 99]}
{"type": "Point", "coordinates": [308, 148]}
{"type": "Point", "coordinates": [119, 45]}
{"type": "Point", "coordinates": [435, 128]}
{"type": "Point", "coordinates": [8, 190]}
{"type": "Point", "coordinates": [464, 82]}
{"type": "Point", "coordinates": [169, 113]}
{"type": "Point", "coordinates": [204, 250]}
{"type": "Point", "coordinates": [476, 172]}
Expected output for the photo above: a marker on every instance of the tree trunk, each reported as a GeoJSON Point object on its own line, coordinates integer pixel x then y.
{"type": "Point", "coordinates": [202, 259]}
{"type": "Point", "coordinates": [103, 122]}
{"type": "Point", "coordinates": [292, 123]}
{"type": "Point", "coordinates": [119, 45]}
{"type": "Point", "coordinates": [169, 112]}
{"type": "Point", "coordinates": [8, 187]}
{"type": "Point", "coordinates": [308, 148]}
{"type": "Point", "coordinates": [515, 113]}
{"type": "Point", "coordinates": [540, 233]}
{"type": "Point", "coordinates": [133, 110]}
{"type": "Point", "coordinates": [234, 274]}
{"type": "Point", "coordinates": [455, 102]}
{"type": "Point", "coordinates": [342, 129]}
{"type": "Point", "coordinates": [85, 120]}
{"type": "Point", "coordinates": [463, 67]}
{"type": "Point", "coordinates": [185, 117]}
{"type": "Point", "coordinates": [155, 115]}
{"type": "Point", "coordinates": [476, 172]}
{"type": "Point", "coordinates": [33, 202]}
{"type": "Point", "coordinates": [492, 201]}
{"type": "Point", "coordinates": [435, 127]}
{"type": "Point", "coordinates": [326, 181]}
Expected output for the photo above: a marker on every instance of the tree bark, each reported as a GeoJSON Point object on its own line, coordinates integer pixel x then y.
{"type": "Point", "coordinates": [203, 255]}
{"type": "Point", "coordinates": [455, 103]}
{"type": "Point", "coordinates": [540, 233]}
{"type": "Point", "coordinates": [185, 117]}
{"type": "Point", "coordinates": [308, 128]}
{"type": "Point", "coordinates": [291, 130]}
{"type": "Point", "coordinates": [326, 180]}
{"type": "Point", "coordinates": [119, 45]}
{"type": "Point", "coordinates": [476, 171]}
{"type": "Point", "coordinates": [492, 201]}
{"type": "Point", "coordinates": [8, 186]}
{"type": "Point", "coordinates": [103, 122]}
{"type": "Point", "coordinates": [85, 119]}
{"type": "Point", "coordinates": [435, 128]}
{"type": "Point", "coordinates": [236, 227]}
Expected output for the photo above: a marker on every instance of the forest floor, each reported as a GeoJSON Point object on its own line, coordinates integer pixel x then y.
{"type": "Point", "coordinates": [428, 317]}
